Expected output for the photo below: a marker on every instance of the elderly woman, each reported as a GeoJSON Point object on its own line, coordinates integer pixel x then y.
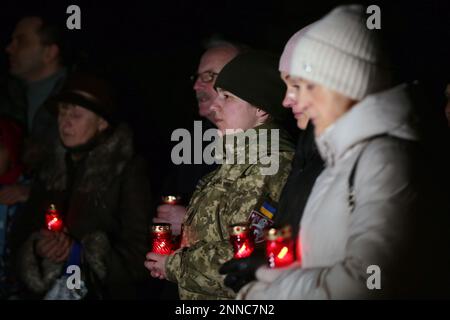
{"type": "Point", "coordinates": [250, 93]}
{"type": "Point", "coordinates": [99, 187]}
{"type": "Point", "coordinates": [357, 230]}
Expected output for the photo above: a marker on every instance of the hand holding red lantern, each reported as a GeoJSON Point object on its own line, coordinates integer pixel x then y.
{"type": "Point", "coordinates": [54, 243]}
{"type": "Point", "coordinates": [170, 211]}
{"type": "Point", "coordinates": [279, 247]}
{"type": "Point", "coordinates": [242, 240]}
{"type": "Point", "coordinates": [161, 248]}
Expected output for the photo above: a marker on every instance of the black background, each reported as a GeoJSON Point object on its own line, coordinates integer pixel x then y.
{"type": "Point", "coordinates": [150, 48]}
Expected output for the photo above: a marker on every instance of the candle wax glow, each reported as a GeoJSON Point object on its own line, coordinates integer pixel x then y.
{"type": "Point", "coordinates": [242, 245]}
{"type": "Point", "coordinates": [53, 220]}
{"type": "Point", "coordinates": [279, 252]}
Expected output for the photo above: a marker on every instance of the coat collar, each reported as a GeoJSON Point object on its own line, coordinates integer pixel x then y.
{"type": "Point", "coordinates": [387, 112]}
{"type": "Point", "coordinates": [103, 163]}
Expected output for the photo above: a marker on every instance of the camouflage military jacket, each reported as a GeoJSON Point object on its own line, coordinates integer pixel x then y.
{"type": "Point", "coordinates": [226, 196]}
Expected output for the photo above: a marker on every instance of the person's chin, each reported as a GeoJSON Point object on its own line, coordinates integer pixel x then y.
{"type": "Point", "coordinates": [68, 143]}
{"type": "Point", "coordinates": [204, 110]}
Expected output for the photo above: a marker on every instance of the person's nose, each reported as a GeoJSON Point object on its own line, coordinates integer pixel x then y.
{"type": "Point", "coordinates": [288, 101]}
{"type": "Point", "coordinates": [198, 84]}
{"type": "Point", "coordinates": [65, 122]}
{"type": "Point", "coordinates": [216, 105]}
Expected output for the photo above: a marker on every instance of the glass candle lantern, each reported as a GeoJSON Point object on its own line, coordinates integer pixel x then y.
{"type": "Point", "coordinates": [279, 247]}
{"type": "Point", "coordinates": [161, 238]}
{"type": "Point", "coordinates": [53, 219]}
{"type": "Point", "coordinates": [242, 240]}
{"type": "Point", "coordinates": [171, 200]}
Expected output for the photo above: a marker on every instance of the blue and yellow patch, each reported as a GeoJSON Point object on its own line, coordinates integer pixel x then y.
{"type": "Point", "coordinates": [267, 210]}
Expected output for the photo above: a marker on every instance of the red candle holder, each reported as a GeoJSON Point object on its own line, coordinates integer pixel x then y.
{"type": "Point", "coordinates": [53, 219]}
{"type": "Point", "coordinates": [171, 200]}
{"type": "Point", "coordinates": [161, 238]}
{"type": "Point", "coordinates": [279, 247]}
{"type": "Point", "coordinates": [242, 240]}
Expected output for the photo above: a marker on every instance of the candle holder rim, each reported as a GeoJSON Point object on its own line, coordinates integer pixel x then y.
{"type": "Point", "coordinates": [170, 198]}
{"type": "Point", "coordinates": [161, 227]}
{"type": "Point", "coordinates": [238, 228]}
{"type": "Point", "coordinates": [275, 233]}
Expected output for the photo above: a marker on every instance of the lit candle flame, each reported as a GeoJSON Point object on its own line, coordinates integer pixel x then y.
{"type": "Point", "coordinates": [242, 249]}
{"type": "Point", "coordinates": [53, 221]}
{"type": "Point", "coordinates": [282, 253]}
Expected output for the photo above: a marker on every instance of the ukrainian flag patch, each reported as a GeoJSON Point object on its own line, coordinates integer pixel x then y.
{"type": "Point", "coordinates": [267, 210]}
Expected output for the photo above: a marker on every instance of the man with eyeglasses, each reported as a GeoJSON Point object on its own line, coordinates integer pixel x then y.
{"type": "Point", "coordinates": [211, 63]}
{"type": "Point", "coordinates": [184, 178]}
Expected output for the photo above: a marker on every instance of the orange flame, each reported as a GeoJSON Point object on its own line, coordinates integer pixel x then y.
{"type": "Point", "coordinates": [282, 253]}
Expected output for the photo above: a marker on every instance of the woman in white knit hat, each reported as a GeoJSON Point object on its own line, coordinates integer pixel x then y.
{"type": "Point", "coordinates": [358, 216]}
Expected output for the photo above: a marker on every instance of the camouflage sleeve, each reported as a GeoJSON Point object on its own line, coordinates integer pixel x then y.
{"type": "Point", "coordinates": [196, 268]}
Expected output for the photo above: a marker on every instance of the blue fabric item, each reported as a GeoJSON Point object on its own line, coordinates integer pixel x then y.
{"type": "Point", "coordinates": [6, 214]}
{"type": "Point", "coordinates": [3, 227]}
{"type": "Point", "coordinates": [74, 256]}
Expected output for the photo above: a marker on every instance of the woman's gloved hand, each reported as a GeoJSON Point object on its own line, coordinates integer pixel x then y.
{"type": "Point", "coordinates": [239, 272]}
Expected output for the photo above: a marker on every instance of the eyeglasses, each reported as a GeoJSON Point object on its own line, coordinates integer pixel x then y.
{"type": "Point", "coordinates": [205, 77]}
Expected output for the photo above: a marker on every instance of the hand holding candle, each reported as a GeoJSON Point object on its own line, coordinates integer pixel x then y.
{"type": "Point", "coordinates": [171, 211]}
{"type": "Point", "coordinates": [54, 246]}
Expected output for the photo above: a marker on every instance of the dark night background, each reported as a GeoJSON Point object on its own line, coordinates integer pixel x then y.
{"type": "Point", "coordinates": [150, 48]}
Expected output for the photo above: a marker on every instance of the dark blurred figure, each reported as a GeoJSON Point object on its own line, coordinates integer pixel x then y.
{"type": "Point", "coordinates": [36, 67]}
{"type": "Point", "coordinates": [11, 172]}
{"type": "Point", "coordinates": [100, 188]}
{"type": "Point", "coordinates": [447, 105]}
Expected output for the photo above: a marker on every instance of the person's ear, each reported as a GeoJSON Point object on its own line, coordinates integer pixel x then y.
{"type": "Point", "coordinates": [260, 112]}
{"type": "Point", "coordinates": [102, 124]}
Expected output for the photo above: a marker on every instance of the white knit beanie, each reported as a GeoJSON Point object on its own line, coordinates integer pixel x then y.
{"type": "Point", "coordinates": [340, 53]}
{"type": "Point", "coordinates": [288, 52]}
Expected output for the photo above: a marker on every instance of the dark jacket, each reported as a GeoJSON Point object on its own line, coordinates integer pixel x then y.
{"type": "Point", "coordinates": [106, 207]}
{"type": "Point", "coordinates": [306, 167]}
{"type": "Point", "coordinates": [43, 134]}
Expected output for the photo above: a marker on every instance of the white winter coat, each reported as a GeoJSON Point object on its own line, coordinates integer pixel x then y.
{"type": "Point", "coordinates": [337, 245]}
